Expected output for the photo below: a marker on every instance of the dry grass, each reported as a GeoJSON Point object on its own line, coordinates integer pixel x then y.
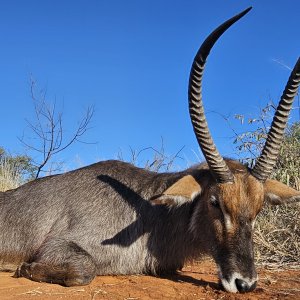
{"type": "Point", "coordinates": [277, 236]}
{"type": "Point", "coordinates": [9, 177]}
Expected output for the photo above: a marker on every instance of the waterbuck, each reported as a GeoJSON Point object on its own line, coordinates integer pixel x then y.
{"type": "Point", "coordinates": [114, 218]}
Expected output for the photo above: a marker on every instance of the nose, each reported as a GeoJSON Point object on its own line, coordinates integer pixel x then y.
{"type": "Point", "coordinates": [243, 286]}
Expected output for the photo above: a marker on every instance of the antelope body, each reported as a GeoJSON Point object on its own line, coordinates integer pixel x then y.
{"type": "Point", "coordinates": [114, 218]}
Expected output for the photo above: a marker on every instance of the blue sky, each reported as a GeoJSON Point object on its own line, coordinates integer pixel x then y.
{"type": "Point", "coordinates": [131, 60]}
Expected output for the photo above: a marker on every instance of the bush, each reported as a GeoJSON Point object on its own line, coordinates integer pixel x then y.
{"type": "Point", "coordinates": [14, 170]}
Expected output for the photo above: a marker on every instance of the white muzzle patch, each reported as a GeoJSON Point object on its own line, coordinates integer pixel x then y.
{"type": "Point", "coordinates": [230, 285]}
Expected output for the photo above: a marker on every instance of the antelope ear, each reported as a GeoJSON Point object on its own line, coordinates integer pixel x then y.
{"type": "Point", "coordinates": [277, 193]}
{"type": "Point", "coordinates": [183, 190]}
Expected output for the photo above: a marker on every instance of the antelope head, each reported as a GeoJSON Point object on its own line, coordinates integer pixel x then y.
{"type": "Point", "coordinates": [230, 195]}
{"type": "Point", "coordinates": [237, 194]}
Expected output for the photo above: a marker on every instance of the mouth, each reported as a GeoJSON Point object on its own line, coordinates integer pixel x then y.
{"type": "Point", "coordinates": [237, 283]}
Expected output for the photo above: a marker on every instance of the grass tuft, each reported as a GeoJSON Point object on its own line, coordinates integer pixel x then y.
{"type": "Point", "coordinates": [10, 178]}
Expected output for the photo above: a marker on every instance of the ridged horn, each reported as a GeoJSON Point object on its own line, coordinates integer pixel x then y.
{"type": "Point", "coordinates": [267, 160]}
{"type": "Point", "coordinates": [217, 164]}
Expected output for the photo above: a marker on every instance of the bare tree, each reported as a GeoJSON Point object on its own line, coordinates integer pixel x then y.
{"type": "Point", "coordinates": [48, 136]}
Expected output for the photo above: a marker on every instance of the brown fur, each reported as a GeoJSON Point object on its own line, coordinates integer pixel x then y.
{"type": "Point", "coordinates": [278, 193]}
{"type": "Point", "coordinates": [185, 189]}
{"type": "Point", "coordinates": [187, 186]}
{"type": "Point", "coordinates": [243, 198]}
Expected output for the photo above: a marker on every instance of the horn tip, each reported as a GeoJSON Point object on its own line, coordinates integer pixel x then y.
{"type": "Point", "coordinates": [245, 11]}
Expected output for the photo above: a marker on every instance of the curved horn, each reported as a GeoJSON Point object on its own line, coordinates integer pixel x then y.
{"type": "Point", "coordinates": [217, 164]}
{"type": "Point", "coordinates": [268, 157]}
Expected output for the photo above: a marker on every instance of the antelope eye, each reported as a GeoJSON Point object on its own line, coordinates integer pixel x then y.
{"type": "Point", "coordinates": [214, 202]}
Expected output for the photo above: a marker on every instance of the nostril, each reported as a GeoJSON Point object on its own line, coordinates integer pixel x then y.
{"type": "Point", "coordinates": [243, 286]}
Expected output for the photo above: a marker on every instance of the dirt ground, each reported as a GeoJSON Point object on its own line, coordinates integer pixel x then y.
{"type": "Point", "coordinates": [197, 281]}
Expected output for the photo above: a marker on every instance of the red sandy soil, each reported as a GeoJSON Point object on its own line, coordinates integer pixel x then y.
{"type": "Point", "coordinates": [197, 281]}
